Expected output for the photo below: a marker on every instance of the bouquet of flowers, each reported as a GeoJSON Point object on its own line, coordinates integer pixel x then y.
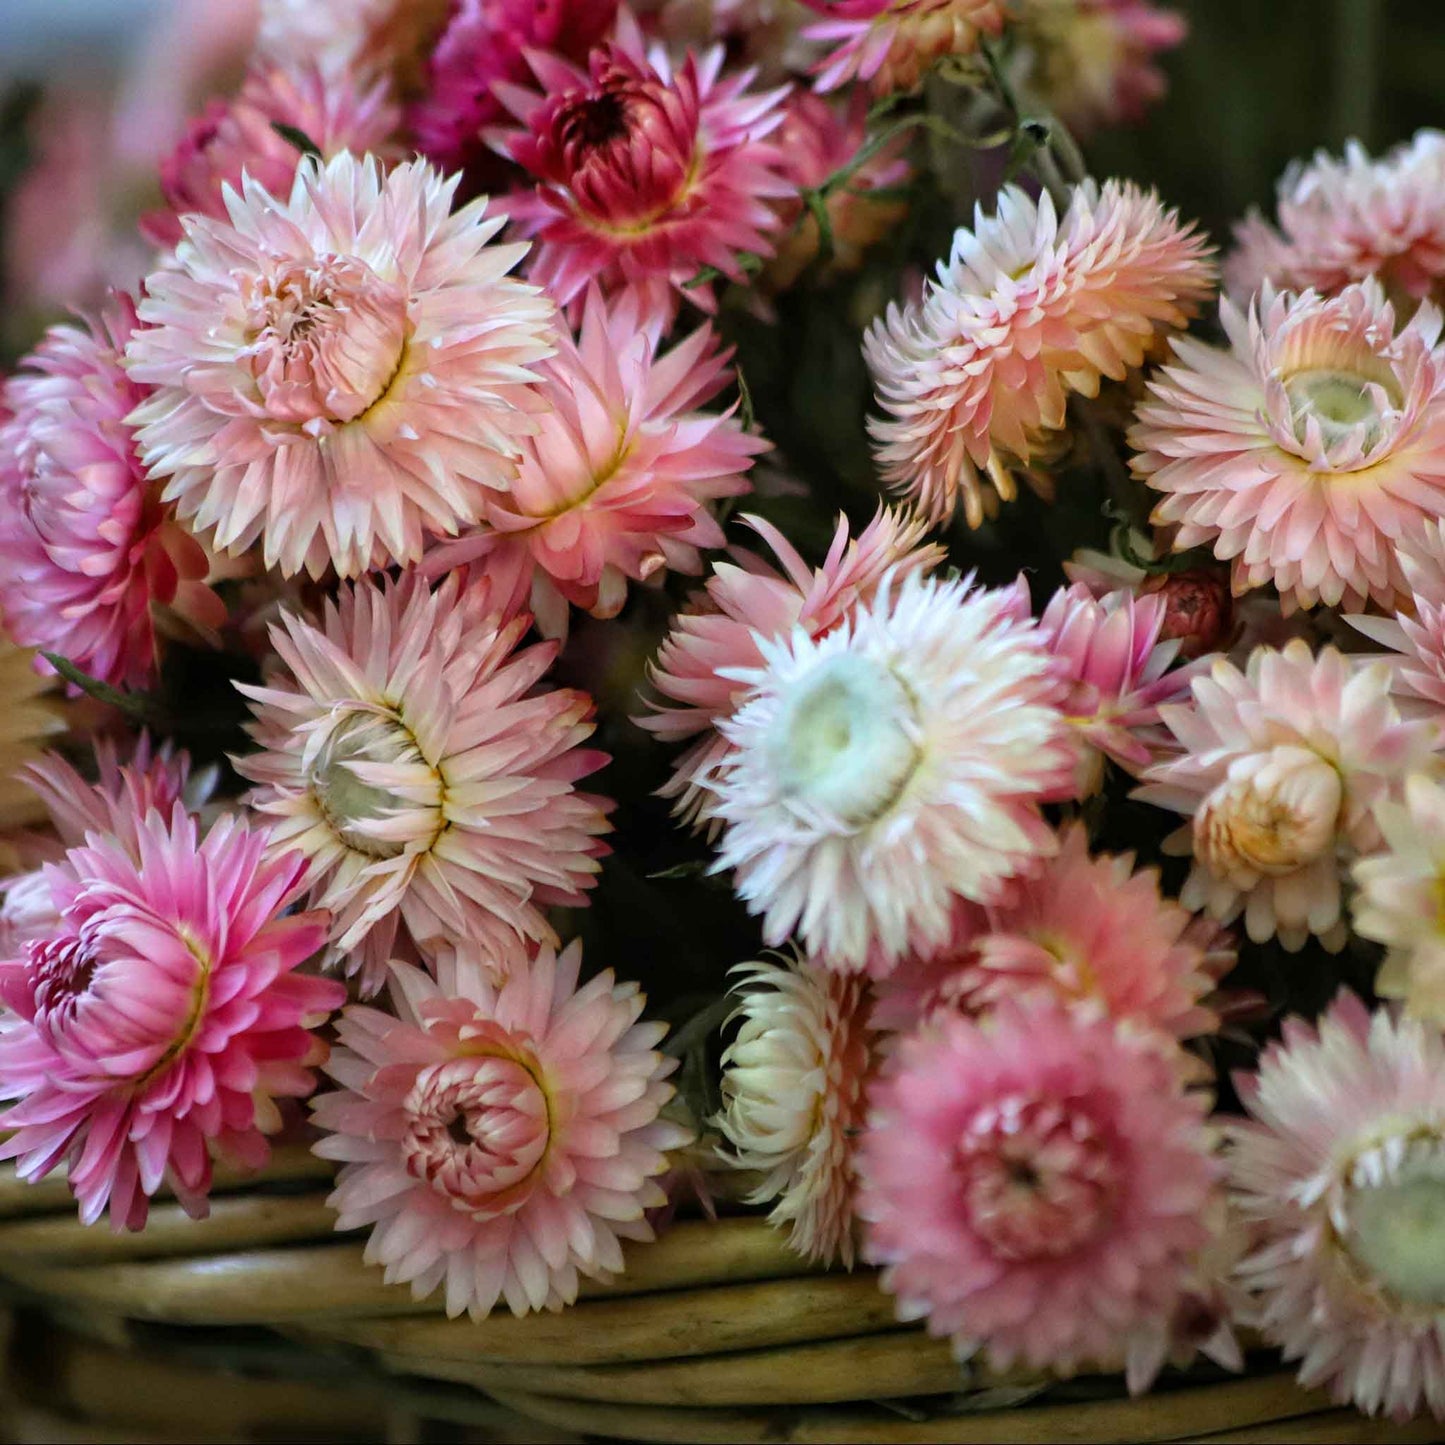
{"type": "Point", "coordinates": [714, 497]}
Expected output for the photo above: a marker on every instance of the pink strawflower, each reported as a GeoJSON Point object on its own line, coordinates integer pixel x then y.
{"type": "Point", "coordinates": [1034, 1184]}
{"type": "Point", "coordinates": [892, 44]}
{"type": "Point", "coordinates": [1095, 934]}
{"type": "Point", "coordinates": [886, 770]}
{"type": "Point", "coordinates": [1282, 768]}
{"type": "Point", "coordinates": [1093, 61]}
{"type": "Point", "coordinates": [88, 554]}
{"type": "Point", "coordinates": [339, 373]}
{"type": "Point", "coordinates": [642, 175]}
{"type": "Point", "coordinates": [1343, 221]}
{"type": "Point", "coordinates": [618, 483]}
{"type": "Point", "coordinates": [748, 600]}
{"type": "Point", "coordinates": [232, 137]}
{"type": "Point", "coordinates": [1416, 631]}
{"type": "Point", "coordinates": [499, 1139]}
{"type": "Point", "coordinates": [1118, 671]}
{"type": "Point", "coordinates": [1028, 308]}
{"type": "Point", "coordinates": [1342, 1171]}
{"type": "Point", "coordinates": [792, 1088]}
{"type": "Point", "coordinates": [161, 1016]}
{"type": "Point", "coordinates": [408, 755]}
{"type": "Point", "coordinates": [1305, 451]}
{"type": "Point", "coordinates": [486, 41]}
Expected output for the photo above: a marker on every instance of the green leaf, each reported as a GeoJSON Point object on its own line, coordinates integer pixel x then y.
{"type": "Point", "coordinates": [137, 705]}
{"type": "Point", "coordinates": [296, 137]}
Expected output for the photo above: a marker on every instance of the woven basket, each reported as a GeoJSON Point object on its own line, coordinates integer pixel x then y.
{"type": "Point", "coordinates": [715, 1333]}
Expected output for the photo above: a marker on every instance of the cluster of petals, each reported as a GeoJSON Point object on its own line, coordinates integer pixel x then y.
{"type": "Point", "coordinates": [892, 44]}
{"type": "Point", "coordinates": [1282, 768]}
{"type": "Point", "coordinates": [1342, 220]}
{"type": "Point", "coordinates": [1035, 1185]}
{"type": "Point", "coordinates": [1029, 307]}
{"type": "Point", "coordinates": [1415, 631]}
{"type": "Point", "coordinates": [1341, 1171]}
{"type": "Point", "coordinates": [882, 772]}
{"type": "Point", "coordinates": [1093, 61]}
{"type": "Point", "coordinates": [1306, 450]}
{"type": "Point", "coordinates": [745, 601]}
{"type": "Point", "coordinates": [1398, 896]}
{"type": "Point", "coordinates": [408, 755]}
{"type": "Point", "coordinates": [616, 486]}
{"type": "Point", "coordinates": [1095, 934]}
{"type": "Point", "coordinates": [87, 551]}
{"type": "Point", "coordinates": [230, 138]}
{"type": "Point", "coordinates": [793, 1085]}
{"type": "Point", "coordinates": [1118, 669]}
{"type": "Point", "coordinates": [484, 42]}
{"type": "Point", "coordinates": [160, 1016]}
{"type": "Point", "coordinates": [500, 1140]}
{"type": "Point", "coordinates": [339, 372]}
{"type": "Point", "coordinates": [641, 175]}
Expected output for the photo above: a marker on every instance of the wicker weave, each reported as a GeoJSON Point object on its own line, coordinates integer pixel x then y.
{"type": "Point", "coordinates": [715, 1333]}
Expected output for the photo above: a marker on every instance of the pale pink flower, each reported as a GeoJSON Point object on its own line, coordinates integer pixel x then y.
{"type": "Point", "coordinates": [161, 1016]}
{"type": "Point", "coordinates": [486, 41]}
{"type": "Point", "coordinates": [1034, 1185]}
{"type": "Point", "coordinates": [747, 600]}
{"type": "Point", "coordinates": [1118, 671]}
{"type": "Point", "coordinates": [232, 137]}
{"type": "Point", "coordinates": [1342, 1171]}
{"type": "Point", "coordinates": [1093, 61]}
{"type": "Point", "coordinates": [892, 44]}
{"type": "Point", "coordinates": [1029, 308]}
{"type": "Point", "coordinates": [1343, 221]}
{"type": "Point", "coordinates": [1282, 768]}
{"type": "Point", "coordinates": [642, 175]}
{"type": "Point", "coordinates": [339, 373]}
{"type": "Point", "coordinates": [355, 37]}
{"type": "Point", "coordinates": [1306, 450]}
{"type": "Point", "coordinates": [882, 772]}
{"type": "Point", "coordinates": [88, 554]}
{"type": "Point", "coordinates": [792, 1088]}
{"type": "Point", "coordinates": [1095, 934]}
{"type": "Point", "coordinates": [1416, 631]}
{"type": "Point", "coordinates": [408, 755]}
{"type": "Point", "coordinates": [501, 1140]}
{"type": "Point", "coordinates": [1398, 899]}
{"type": "Point", "coordinates": [618, 483]}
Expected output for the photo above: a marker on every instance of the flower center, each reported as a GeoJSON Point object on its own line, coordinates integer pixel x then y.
{"type": "Point", "coordinates": [598, 120]}
{"type": "Point", "coordinates": [326, 338]}
{"type": "Point", "coordinates": [1394, 1224]}
{"type": "Point", "coordinates": [375, 820]}
{"type": "Point", "coordinates": [847, 740]}
{"type": "Point", "coordinates": [1037, 1179]}
{"type": "Point", "coordinates": [476, 1131]}
{"type": "Point", "coordinates": [63, 970]}
{"type": "Point", "coordinates": [1346, 411]}
{"type": "Point", "coordinates": [1271, 816]}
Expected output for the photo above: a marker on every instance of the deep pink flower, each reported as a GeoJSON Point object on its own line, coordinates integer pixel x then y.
{"type": "Point", "coordinates": [160, 1016]}
{"type": "Point", "coordinates": [643, 175]}
{"type": "Point", "coordinates": [87, 552]}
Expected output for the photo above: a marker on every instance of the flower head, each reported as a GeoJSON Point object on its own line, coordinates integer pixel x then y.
{"type": "Point", "coordinates": [408, 756]}
{"type": "Point", "coordinates": [240, 136]}
{"type": "Point", "coordinates": [792, 1088]}
{"type": "Point", "coordinates": [1305, 451]}
{"type": "Point", "coordinates": [1034, 1185]}
{"type": "Point", "coordinates": [747, 600]}
{"type": "Point", "coordinates": [87, 553]}
{"type": "Point", "coordinates": [500, 1140]}
{"type": "Point", "coordinates": [889, 768]}
{"type": "Point", "coordinates": [1344, 221]}
{"type": "Point", "coordinates": [1118, 670]}
{"type": "Point", "coordinates": [160, 1016]}
{"type": "Point", "coordinates": [1283, 766]}
{"type": "Point", "coordinates": [617, 485]}
{"type": "Point", "coordinates": [892, 44]}
{"type": "Point", "coordinates": [642, 175]}
{"type": "Point", "coordinates": [341, 372]}
{"type": "Point", "coordinates": [1029, 307]}
{"type": "Point", "coordinates": [1342, 1171]}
